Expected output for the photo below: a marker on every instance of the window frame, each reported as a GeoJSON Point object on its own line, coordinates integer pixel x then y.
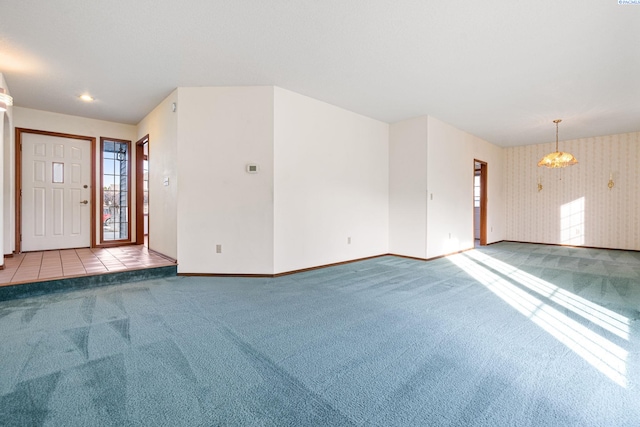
{"type": "Point", "coordinates": [129, 160]}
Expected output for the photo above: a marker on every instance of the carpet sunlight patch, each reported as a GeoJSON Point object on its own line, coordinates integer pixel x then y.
{"type": "Point", "coordinates": [604, 355]}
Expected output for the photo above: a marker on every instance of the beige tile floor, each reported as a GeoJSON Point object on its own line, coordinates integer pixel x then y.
{"type": "Point", "coordinates": [48, 265]}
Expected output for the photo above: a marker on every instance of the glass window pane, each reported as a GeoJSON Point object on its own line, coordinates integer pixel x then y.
{"type": "Point", "coordinates": [58, 173]}
{"type": "Point", "coordinates": [108, 182]}
{"type": "Point", "coordinates": [115, 190]}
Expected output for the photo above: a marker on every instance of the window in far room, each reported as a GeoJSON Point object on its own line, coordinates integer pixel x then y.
{"type": "Point", "coordinates": [476, 191]}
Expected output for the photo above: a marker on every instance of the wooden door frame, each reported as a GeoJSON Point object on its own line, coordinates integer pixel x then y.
{"type": "Point", "coordinates": [140, 188]}
{"type": "Point", "coordinates": [92, 217]}
{"type": "Point", "coordinates": [484, 168]}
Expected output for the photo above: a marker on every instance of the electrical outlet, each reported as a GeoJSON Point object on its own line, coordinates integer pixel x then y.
{"type": "Point", "coordinates": [218, 249]}
{"type": "Point", "coordinates": [348, 240]}
{"type": "Point", "coordinates": [449, 235]}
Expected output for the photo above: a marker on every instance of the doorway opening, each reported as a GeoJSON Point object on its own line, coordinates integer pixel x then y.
{"type": "Point", "coordinates": [480, 170]}
{"type": "Point", "coordinates": [142, 191]}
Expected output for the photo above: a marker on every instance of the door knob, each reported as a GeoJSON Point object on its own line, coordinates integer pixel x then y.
{"type": "Point", "coordinates": [84, 202]}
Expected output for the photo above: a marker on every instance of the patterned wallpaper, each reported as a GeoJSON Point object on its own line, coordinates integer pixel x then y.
{"type": "Point", "coordinates": [576, 206]}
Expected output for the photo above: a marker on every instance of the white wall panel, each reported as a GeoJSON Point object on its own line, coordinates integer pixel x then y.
{"type": "Point", "coordinates": [331, 183]}
{"type": "Point", "coordinates": [7, 177]}
{"type": "Point", "coordinates": [408, 187]}
{"type": "Point", "coordinates": [450, 169]}
{"type": "Point", "coordinates": [161, 125]}
{"type": "Point", "coordinates": [220, 131]}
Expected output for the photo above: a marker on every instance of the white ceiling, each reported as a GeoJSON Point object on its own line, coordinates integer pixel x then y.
{"type": "Point", "coordinates": [499, 69]}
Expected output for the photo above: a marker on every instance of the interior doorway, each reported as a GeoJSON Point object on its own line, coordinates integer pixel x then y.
{"type": "Point", "coordinates": [142, 191]}
{"type": "Point", "coordinates": [480, 170]}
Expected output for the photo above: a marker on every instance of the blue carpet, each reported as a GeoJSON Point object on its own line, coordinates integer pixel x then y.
{"type": "Point", "coordinates": [382, 342]}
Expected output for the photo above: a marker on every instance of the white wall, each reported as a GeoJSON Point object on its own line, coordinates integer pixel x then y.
{"type": "Point", "coordinates": [575, 206]}
{"type": "Point", "coordinates": [331, 179]}
{"type": "Point", "coordinates": [431, 188]}
{"type": "Point", "coordinates": [161, 125]}
{"type": "Point", "coordinates": [450, 169]}
{"type": "Point", "coordinates": [408, 187]}
{"type": "Point", "coordinates": [62, 123]}
{"type": "Point", "coordinates": [220, 131]}
{"type": "Point", "coordinates": [7, 192]}
{"type": "Point", "coordinates": [326, 175]}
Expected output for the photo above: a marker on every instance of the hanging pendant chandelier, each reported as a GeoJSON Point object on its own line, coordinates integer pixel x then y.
{"type": "Point", "coordinates": [557, 159]}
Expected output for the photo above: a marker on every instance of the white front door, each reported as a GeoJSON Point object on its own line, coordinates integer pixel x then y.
{"type": "Point", "coordinates": [56, 192]}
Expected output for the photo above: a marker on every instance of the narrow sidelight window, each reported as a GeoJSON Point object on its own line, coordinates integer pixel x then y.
{"type": "Point", "coordinates": [116, 190]}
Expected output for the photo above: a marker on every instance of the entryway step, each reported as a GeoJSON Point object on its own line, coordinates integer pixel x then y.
{"type": "Point", "coordinates": [26, 290]}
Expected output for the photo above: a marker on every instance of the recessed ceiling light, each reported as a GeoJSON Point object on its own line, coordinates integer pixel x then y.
{"type": "Point", "coordinates": [87, 98]}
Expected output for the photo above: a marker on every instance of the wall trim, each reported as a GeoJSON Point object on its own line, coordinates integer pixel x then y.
{"type": "Point", "coordinates": [571, 246]}
{"type": "Point", "coordinates": [286, 273]}
{"type": "Point", "coordinates": [433, 258]}
{"type": "Point", "coordinates": [168, 258]}
{"type": "Point", "coordinates": [378, 256]}
{"type": "Point", "coordinates": [302, 270]}
{"type": "Point", "coordinates": [115, 243]}
{"type": "Point", "coordinates": [263, 276]}
{"type": "Point", "coordinates": [493, 243]}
